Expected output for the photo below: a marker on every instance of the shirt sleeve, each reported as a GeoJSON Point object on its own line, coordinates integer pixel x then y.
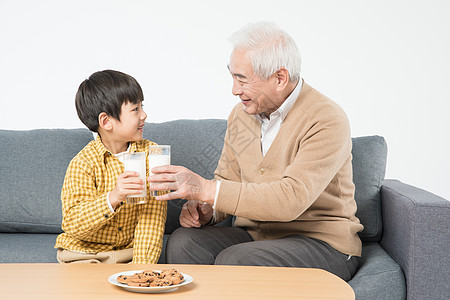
{"type": "Point", "coordinates": [227, 169]}
{"type": "Point", "coordinates": [84, 211]}
{"type": "Point", "coordinates": [109, 202]}
{"type": "Point", "coordinates": [217, 192]}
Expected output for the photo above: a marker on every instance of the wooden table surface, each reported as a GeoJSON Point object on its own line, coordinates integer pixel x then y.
{"type": "Point", "coordinates": [90, 281]}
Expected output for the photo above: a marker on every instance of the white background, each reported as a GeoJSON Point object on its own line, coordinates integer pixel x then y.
{"type": "Point", "coordinates": [385, 62]}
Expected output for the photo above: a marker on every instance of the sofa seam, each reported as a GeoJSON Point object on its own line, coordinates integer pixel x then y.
{"type": "Point", "coordinates": [415, 204]}
{"type": "Point", "coordinates": [413, 267]}
{"type": "Point", "coordinates": [28, 223]}
{"type": "Point", "coordinates": [397, 268]}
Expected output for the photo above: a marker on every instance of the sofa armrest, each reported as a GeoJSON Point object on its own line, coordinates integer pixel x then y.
{"type": "Point", "coordinates": [416, 234]}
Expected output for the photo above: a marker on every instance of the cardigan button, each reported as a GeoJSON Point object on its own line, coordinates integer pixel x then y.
{"type": "Point", "coordinates": [261, 171]}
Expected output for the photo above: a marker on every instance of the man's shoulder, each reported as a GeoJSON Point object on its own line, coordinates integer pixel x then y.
{"type": "Point", "coordinates": [318, 105]}
{"type": "Point", "coordinates": [236, 109]}
{"type": "Point", "coordinates": [238, 114]}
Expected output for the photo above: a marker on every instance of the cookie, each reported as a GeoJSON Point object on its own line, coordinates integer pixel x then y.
{"type": "Point", "coordinates": [172, 275]}
{"type": "Point", "coordinates": [161, 282]}
{"type": "Point", "coordinates": [123, 279]}
{"type": "Point", "coordinates": [151, 273]}
{"type": "Point", "coordinates": [176, 279]}
{"type": "Point", "coordinates": [138, 277]}
{"type": "Point", "coordinates": [152, 278]}
{"type": "Point", "coordinates": [141, 284]}
{"type": "Point", "coordinates": [168, 273]}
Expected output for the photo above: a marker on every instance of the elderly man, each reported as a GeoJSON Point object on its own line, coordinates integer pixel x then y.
{"type": "Point", "coordinates": [285, 171]}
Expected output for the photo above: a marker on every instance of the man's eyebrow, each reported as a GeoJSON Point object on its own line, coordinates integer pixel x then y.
{"type": "Point", "coordinates": [239, 75]}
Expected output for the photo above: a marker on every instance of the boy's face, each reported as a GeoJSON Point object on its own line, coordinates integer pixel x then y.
{"type": "Point", "coordinates": [131, 124]}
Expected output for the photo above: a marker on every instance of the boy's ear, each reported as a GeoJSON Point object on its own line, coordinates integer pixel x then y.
{"type": "Point", "coordinates": [104, 121]}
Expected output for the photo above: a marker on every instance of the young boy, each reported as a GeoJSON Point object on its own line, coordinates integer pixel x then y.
{"type": "Point", "coordinates": [98, 224]}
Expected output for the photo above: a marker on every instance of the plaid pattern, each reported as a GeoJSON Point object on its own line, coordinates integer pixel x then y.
{"type": "Point", "coordinates": [88, 223]}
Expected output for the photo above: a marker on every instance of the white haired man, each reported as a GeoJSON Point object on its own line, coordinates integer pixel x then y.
{"type": "Point", "coordinates": [285, 172]}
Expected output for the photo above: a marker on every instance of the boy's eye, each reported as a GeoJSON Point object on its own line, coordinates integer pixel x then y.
{"type": "Point", "coordinates": [138, 107]}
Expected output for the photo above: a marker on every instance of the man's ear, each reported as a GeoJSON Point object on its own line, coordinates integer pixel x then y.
{"type": "Point", "coordinates": [282, 78]}
{"type": "Point", "coordinates": [104, 121]}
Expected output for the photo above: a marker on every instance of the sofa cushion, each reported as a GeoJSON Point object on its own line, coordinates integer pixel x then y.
{"type": "Point", "coordinates": [33, 167]}
{"type": "Point", "coordinates": [379, 276]}
{"type": "Point", "coordinates": [369, 167]}
{"type": "Point", "coordinates": [28, 248]}
{"type": "Point", "coordinates": [195, 144]}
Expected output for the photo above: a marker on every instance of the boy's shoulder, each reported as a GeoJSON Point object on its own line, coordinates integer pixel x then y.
{"type": "Point", "coordinates": [94, 151]}
{"type": "Point", "coordinates": [90, 154]}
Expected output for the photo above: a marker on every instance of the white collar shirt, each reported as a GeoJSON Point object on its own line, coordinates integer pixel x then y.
{"type": "Point", "coordinates": [271, 126]}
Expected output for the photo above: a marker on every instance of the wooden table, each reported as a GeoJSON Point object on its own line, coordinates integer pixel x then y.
{"type": "Point", "coordinates": [90, 281]}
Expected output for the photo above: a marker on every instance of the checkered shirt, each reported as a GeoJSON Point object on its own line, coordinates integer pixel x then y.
{"type": "Point", "coordinates": [88, 223]}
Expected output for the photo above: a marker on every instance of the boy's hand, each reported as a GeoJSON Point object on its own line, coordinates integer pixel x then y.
{"type": "Point", "coordinates": [128, 183]}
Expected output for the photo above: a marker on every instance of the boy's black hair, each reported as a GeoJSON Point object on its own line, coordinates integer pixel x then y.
{"type": "Point", "coordinates": [105, 91]}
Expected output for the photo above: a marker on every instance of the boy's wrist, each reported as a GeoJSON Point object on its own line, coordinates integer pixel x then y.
{"type": "Point", "coordinates": [110, 203]}
{"type": "Point", "coordinates": [114, 200]}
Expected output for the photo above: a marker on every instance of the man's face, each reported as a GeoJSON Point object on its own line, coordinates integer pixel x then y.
{"type": "Point", "coordinates": [256, 95]}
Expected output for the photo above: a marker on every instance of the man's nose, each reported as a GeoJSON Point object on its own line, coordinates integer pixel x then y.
{"type": "Point", "coordinates": [236, 89]}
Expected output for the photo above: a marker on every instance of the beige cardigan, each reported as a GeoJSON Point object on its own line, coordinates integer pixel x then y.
{"type": "Point", "coordinates": [304, 183]}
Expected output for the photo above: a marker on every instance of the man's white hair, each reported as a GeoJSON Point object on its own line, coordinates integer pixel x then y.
{"type": "Point", "coordinates": [269, 49]}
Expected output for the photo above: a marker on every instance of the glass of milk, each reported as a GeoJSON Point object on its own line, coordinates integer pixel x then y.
{"type": "Point", "coordinates": [137, 162]}
{"type": "Point", "coordinates": [158, 155]}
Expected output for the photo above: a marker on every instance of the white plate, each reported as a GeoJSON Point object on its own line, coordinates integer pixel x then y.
{"type": "Point", "coordinates": [148, 290]}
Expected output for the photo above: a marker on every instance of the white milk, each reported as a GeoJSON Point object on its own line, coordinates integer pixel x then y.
{"type": "Point", "coordinates": [137, 164]}
{"type": "Point", "coordinates": [157, 160]}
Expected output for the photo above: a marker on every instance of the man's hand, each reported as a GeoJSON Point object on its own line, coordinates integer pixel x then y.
{"type": "Point", "coordinates": [128, 183]}
{"type": "Point", "coordinates": [183, 183]}
{"type": "Point", "coordinates": [195, 214]}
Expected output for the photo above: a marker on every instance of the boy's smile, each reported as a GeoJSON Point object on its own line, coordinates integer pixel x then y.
{"type": "Point", "coordinates": [132, 121]}
{"type": "Point", "coordinates": [130, 127]}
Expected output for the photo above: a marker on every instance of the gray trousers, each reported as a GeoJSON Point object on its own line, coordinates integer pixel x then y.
{"type": "Point", "coordinates": [234, 246]}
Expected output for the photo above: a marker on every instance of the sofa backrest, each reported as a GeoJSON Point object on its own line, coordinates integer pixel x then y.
{"type": "Point", "coordinates": [369, 168]}
{"type": "Point", "coordinates": [33, 164]}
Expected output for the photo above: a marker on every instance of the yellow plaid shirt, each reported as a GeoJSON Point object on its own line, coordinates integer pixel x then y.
{"type": "Point", "coordinates": [89, 224]}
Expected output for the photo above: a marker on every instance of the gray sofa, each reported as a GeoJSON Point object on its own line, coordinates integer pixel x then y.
{"type": "Point", "coordinates": [405, 240]}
